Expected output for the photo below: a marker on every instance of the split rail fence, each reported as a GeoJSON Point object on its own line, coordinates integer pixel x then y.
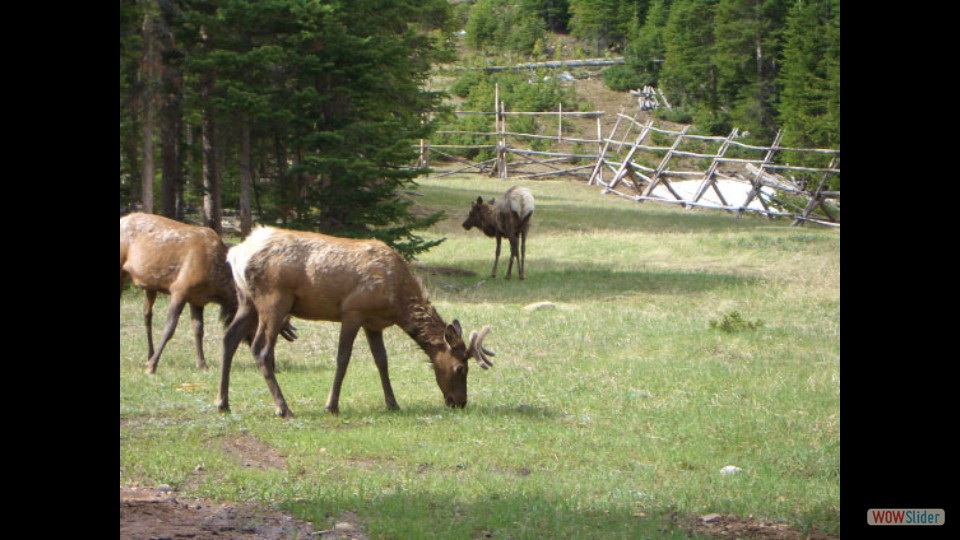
{"type": "Point", "coordinates": [641, 162]}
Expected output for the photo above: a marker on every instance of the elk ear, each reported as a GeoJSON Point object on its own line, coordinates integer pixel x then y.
{"type": "Point", "coordinates": [479, 200]}
{"type": "Point", "coordinates": [453, 333]}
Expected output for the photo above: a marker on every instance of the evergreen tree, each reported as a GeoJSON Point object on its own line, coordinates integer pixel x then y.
{"type": "Point", "coordinates": [323, 101]}
{"type": "Point", "coordinates": [554, 13]}
{"type": "Point", "coordinates": [689, 74]}
{"type": "Point", "coordinates": [605, 23]}
{"type": "Point", "coordinates": [810, 102]}
{"type": "Point", "coordinates": [746, 49]}
{"type": "Point", "coordinates": [646, 48]}
{"type": "Point", "coordinates": [505, 24]}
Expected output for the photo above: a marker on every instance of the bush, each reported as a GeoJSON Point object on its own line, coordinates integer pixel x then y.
{"type": "Point", "coordinates": [678, 116]}
{"type": "Point", "coordinates": [622, 78]}
{"type": "Point", "coordinates": [734, 322]}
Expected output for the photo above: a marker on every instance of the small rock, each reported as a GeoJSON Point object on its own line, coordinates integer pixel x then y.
{"type": "Point", "coordinates": [343, 526]}
{"type": "Point", "coordinates": [537, 306]}
{"type": "Point", "coordinates": [730, 469]}
{"type": "Point", "coordinates": [710, 518]}
{"type": "Point", "coordinates": [164, 488]}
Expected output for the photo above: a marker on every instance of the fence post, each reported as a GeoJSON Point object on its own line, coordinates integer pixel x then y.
{"type": "Point", "coordinates": [598, 170]}
{"type": "Point", "coordinates": [816, 198]}
{"type": "Point", "coordinates": [622, 171]}
{"type": "Point", "coordinates": [708, 177]}
{"type": "Point", "coordinates": [758, 178]}
{"type": "Point", "coordinates": [658, 177]}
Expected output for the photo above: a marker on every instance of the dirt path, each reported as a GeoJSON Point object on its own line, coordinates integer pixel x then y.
{"type": "Point", "coordinates": [157, 514]}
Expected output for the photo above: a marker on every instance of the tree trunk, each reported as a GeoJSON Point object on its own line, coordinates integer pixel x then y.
{"type": "Point", "coordinates": [149, 77]}
{"type": "Point", "coordinates": [171, 120]}
{"type": "Point", "coordinates": [171, 116]}
{"type": "Point", "coordinates": [246, 177]}
{"type": "Point", "coordinates": [212, 212]}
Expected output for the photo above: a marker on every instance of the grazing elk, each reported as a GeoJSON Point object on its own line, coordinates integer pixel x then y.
{"type": "Point", "coordinates": [185, 261]}
{"type": "Point", "coordinates": [358, 283]}
{"type": "Point", "coordinates": [509, 217]}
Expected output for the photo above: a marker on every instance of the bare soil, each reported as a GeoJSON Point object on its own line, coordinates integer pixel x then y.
{"type": "Point", "coordinates": [155, 513]}
{"type": "Point", "coordinates": [717, 526]}
{"type": "Point", "coordinates": [148, 513]}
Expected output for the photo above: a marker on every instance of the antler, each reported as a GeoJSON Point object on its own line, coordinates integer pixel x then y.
{"type": "Point", "coordinates": [289, 331]}
{"type": "Point", "coordinates": [477, 350]}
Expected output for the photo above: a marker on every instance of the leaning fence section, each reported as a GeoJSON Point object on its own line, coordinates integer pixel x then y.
{"type": "Point", "coordinates": [642, 162]}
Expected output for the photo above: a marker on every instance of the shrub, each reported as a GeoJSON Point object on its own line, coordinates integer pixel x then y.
{"type": "Point", "coordinates": [622, 78]}
{"type": "Point", "coordinates": [734, 322]}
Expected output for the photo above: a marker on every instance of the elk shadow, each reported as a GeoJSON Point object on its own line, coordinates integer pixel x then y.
{"type": "Point", "coordinates": [561, 281]}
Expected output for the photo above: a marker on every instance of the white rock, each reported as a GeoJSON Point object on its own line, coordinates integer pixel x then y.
{"type": "Point", "coordinates": [537, 306]}
{"type": "Point", "coordinates": [730, 469]}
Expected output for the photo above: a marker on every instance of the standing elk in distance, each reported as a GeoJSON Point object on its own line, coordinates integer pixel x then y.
{"type": "Point", "coordinates": [358, 283]}
{"type": "Point", "coordinates": [509, 217]}
{"type": "Point", "coordinates": [185, 261]}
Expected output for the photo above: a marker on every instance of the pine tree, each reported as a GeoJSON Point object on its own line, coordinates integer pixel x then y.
{"type": "Point", "coordinates": [321, 101]}
{"type": "Point", "coordinates": [746, 49]}
{"type": "Point", "coordinates": [605, 23]}
{"type": "Point", "coordinates": [689, 73]}
{"type": "Point", "coordinates": [809, 109]}
{"type": "Point", "coordinates": [646, 48]}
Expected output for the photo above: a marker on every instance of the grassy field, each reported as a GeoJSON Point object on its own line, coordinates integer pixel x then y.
{"type": "Point", "coordinates": [608, 416]}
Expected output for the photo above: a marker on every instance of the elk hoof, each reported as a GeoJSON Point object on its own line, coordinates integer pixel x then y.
{"type": "Point", "coordinates": [332, 409]}
{"type": "Point", "coordinates": [284, 413]}
{"type": "Point", "coordinates": [151, 369]}
{"type": "Point", "coordinates": [223, 407]}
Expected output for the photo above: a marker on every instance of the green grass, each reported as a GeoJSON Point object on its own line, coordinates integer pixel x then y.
{"type": "Point", "coordinates": [602, 417]}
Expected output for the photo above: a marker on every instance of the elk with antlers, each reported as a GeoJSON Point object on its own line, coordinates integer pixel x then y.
{"type": "Point", "coordinates": [510, 217]}
{"type": "Point", "coordinates": [358, 283]}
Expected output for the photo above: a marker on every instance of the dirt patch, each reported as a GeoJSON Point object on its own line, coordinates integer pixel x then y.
{"type": "Point", "coordinates": [252, 452]}
{"type": "Point", "coordinates": [717, 526]}
{"type": "Point", "coordinates": [149, 513]}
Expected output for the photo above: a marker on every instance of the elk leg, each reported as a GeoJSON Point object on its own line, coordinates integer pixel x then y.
{"type": "Point", "coordinates": [375, 340]}
{"type": "Point", "coordinates": [196, 317]}
{"type": "Point", "coordinates": [149, 297]}
{"type": "Point", "coordinates": [496, 258]}
{"type": "Point", "coordinates": [272, 311]}
{"type": "Point", "coordinates": [173, 316]}
{"type": "Point", "coordinates": [348, 333]}
{"type": "Point", "coordinates": [263, 345]}
{"type": "Point", "coordinates": [523, 255]}
{"type": "Point", "coordinates": [243, 323]}
{"type": "Point", "coordinates": [513, 255]}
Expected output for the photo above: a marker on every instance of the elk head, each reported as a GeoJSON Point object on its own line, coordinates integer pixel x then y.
{"type": "Point", "coordinates": [481, 217]}
{"type": "Point", "coordinates": [451, 365]}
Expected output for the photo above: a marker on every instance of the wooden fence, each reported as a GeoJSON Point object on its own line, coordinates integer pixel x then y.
{"type": "Point", "coordinates": [660, 165]}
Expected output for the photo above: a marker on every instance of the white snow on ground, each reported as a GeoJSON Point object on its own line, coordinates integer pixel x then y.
{"type": "Point", "coordinates": [734, 192]}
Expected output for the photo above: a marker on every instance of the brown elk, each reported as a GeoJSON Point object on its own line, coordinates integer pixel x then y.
{"type": "Point", "coordinates": [358, 283]}
{"type": "Point", "coordinates": [185, 261]}
{"type": "Point", "coordinates": [510, 217]}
